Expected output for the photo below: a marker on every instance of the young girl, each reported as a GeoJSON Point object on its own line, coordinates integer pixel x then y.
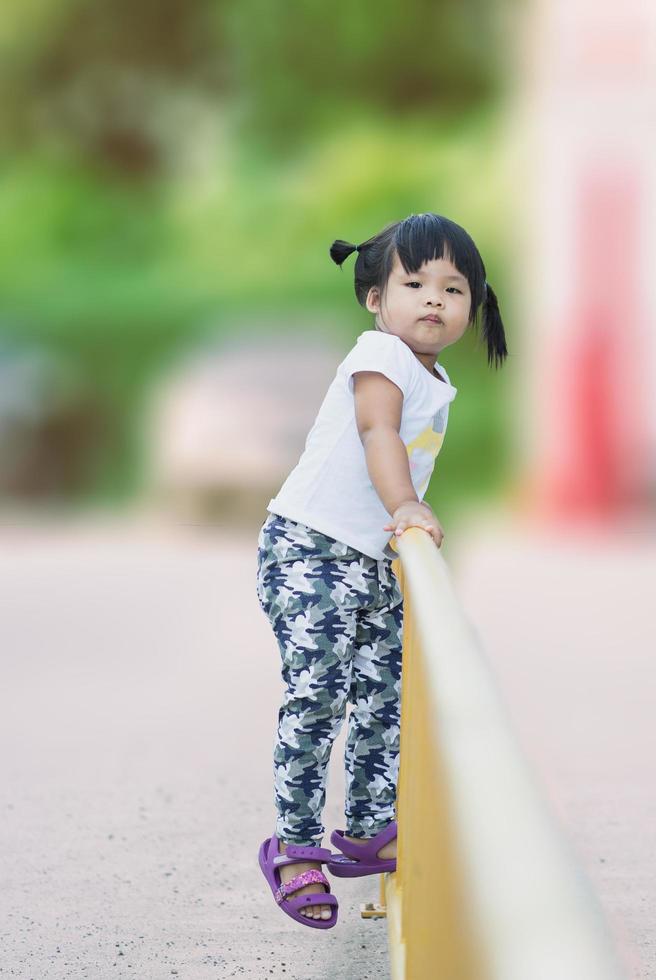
{"type": "Point", "coordinates": [324, 576]}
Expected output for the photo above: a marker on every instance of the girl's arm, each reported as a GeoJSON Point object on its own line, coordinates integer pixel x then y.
{"type": "Point", "coordinates": [378, 407]}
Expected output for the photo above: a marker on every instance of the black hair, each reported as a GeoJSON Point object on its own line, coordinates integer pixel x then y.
{"type": "Point", "coordinates": [417, 239]}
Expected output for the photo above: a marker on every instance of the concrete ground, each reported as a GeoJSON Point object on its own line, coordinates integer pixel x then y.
{"type": "Point", "coordinates": [137, 713]}
{"type": "Point", "coordinates": [566, 620]}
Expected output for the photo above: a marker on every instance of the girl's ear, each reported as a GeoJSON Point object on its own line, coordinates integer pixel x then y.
{"type": "Point", "coordinates": [493, 331]}
{"type": "Point", "coordinates": [373, 300]}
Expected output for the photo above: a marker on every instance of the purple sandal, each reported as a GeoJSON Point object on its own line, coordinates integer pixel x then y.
{"type": "Point", "coordinates": [360, 859]}
{"type": "Point", "coordinates": [271, 858]}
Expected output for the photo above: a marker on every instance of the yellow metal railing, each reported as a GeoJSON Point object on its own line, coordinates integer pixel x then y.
{"type": "Point", "coordinates": [486, 887]}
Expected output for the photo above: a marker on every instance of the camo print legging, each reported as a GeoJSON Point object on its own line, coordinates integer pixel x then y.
{"type": "Point", "coordinates": [337, 615]}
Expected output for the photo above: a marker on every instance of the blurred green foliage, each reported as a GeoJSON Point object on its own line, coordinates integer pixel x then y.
{"type": "Point", "coordinates": [167, 166]}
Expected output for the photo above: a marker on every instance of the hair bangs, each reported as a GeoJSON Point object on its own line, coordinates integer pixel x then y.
{"type": "Point", "coordinates": [421, 238]}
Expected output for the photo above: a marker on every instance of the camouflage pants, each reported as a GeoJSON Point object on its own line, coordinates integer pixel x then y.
{"type": "Point", "coordinates": [337, 615]}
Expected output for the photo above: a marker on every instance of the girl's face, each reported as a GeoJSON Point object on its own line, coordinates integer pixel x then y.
{"type": "Point", "coordinates": [437, 290]}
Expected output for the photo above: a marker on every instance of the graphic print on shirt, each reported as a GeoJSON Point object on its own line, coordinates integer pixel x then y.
{"type": "Point", "coordinates": [423, 450]}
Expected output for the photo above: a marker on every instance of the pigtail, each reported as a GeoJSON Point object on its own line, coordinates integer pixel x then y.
{"type": "Point", "coordinates": [340, 250]}
{"type": "Point", "coordinates": [493, 331]}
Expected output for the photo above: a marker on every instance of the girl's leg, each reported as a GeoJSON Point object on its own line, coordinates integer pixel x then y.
{"type": "Point", "coordinates": [372, 746]}
{"type": "Point", "coordinates": [301, 575]}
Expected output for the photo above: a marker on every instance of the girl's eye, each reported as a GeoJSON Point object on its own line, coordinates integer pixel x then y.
{"type": "Point", "coordinates": [415, 283]}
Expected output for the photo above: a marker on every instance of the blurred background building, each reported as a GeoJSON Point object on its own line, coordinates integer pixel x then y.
{"type": "Point", "coordinates": [220, 431]}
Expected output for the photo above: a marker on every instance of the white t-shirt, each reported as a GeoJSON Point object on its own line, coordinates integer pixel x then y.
{"type": "Point", "coordinates": [329, 489]}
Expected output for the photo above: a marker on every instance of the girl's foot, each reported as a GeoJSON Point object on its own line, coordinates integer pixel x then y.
{"type": "Point", "coordinates": [387, 851]}
{"type": "Point", "coordinates": [289, 871]}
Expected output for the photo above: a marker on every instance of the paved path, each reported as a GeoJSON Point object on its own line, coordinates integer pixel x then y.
{"type": "Point", "coordinates": [139, 699]}
{"type": "Point", "coordinates": [567, 622]}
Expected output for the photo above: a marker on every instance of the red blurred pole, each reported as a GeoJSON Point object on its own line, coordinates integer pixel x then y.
{"type": "Point", "coordinates": [597, 468]}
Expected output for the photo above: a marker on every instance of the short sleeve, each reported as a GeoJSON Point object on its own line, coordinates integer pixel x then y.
{"type": "Point", "coordinates": [382, 352]}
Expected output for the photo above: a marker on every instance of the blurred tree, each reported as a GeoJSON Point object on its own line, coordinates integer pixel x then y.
{"type": "Point", "coordinates": [295, 66]}
{"type": "Point", "coordinates": [121, 82]}
{"type": "Point", "coordinates": [155, 154]}
{"type": "Point", "coordinates": [106, 79]}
